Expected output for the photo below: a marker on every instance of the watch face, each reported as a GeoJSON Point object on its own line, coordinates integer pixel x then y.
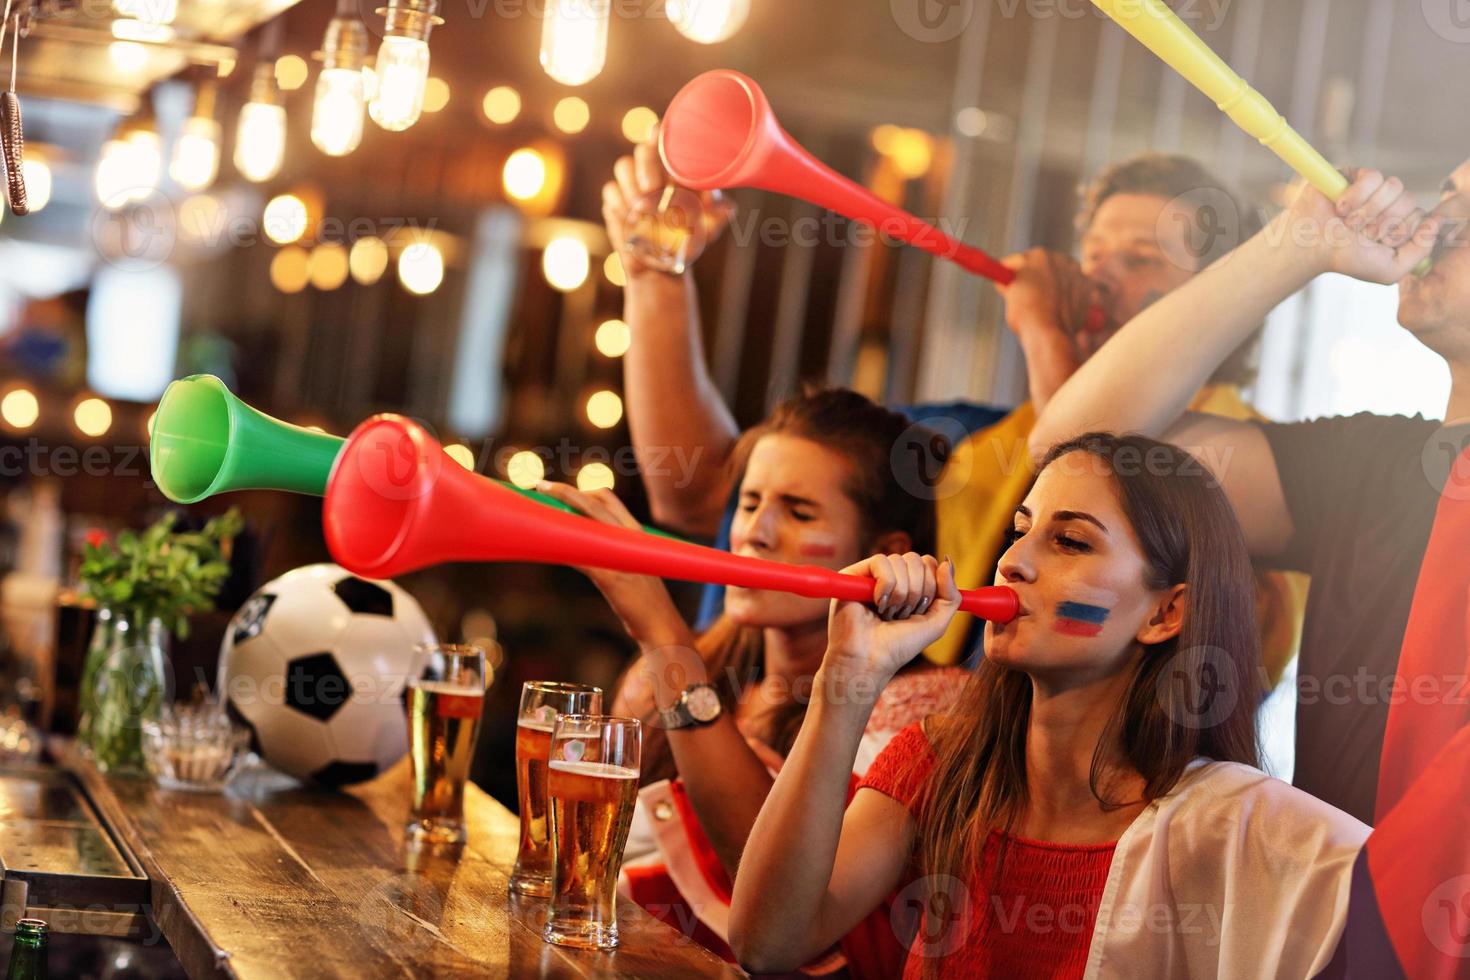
{"type": "Point", "coordinates": [703, 703]}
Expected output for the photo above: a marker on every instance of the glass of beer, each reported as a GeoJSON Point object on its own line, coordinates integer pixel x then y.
{"type": "Point", "coordinates": [541, 702]}
{"type": "Point", "coordinates": [445, 694]}
{"type": "Point", "coordinates": [668, 230]}
{"type": "Point", "coordinates": [592, 783]}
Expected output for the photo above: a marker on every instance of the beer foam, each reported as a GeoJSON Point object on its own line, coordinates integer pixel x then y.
{"type": "Point", "coordinates": [599, 770]}
{"type": "Point", "coordinates": [448, 687]}
{"type": "Point", "coordinates": [533, 725]}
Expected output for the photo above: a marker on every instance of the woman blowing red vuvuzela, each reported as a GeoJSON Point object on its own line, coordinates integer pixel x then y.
{"type": "Point", "coordinates": [1091, 806]}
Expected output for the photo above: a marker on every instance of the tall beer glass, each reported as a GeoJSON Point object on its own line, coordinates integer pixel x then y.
{"type": "Point", "coordinates": [446, 692]}
{"type": "Point", "coordinates": [592, 782]}
{"type": "Point", "coordinates": [541, 702]}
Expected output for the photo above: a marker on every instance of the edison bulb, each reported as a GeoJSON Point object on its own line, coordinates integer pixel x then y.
{"type": "Point", "coordinates": [128, 57]}
{"type": "Point", "coordinates": [195, 162]}
{"type": "Point", "coordinates": [402, 71]}
{"type": "Point", "coordinates": [574, 39]}
{"type": "Point", "coordinates": [146, 151]}
{"type": "Point", "coordinates": [421, 268]}
{"type": "Point", "coordinates": [524, 175]}
{"type": "Point", "coordinates": [113, 181]}
{"type": "Point", "coordinates": [38, 182]}
{"type": "Point", "coordinates": [260, 142]}
{"type": "Point", "coordinates": [708, 21]}
{"type": "Point", "coordinates": [337, 112]}
{"type": "Point", "coordinates": [128, 168]}
{"type": "Point", "coordinates": [565, 264]}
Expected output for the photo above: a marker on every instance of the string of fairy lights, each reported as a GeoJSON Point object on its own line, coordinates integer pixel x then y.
{"type": "Point", "coordinates": [394, 90]}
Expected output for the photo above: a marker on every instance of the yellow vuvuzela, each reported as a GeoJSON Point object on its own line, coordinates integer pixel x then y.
{"type": "Point", "coordinates": [1163, 33]}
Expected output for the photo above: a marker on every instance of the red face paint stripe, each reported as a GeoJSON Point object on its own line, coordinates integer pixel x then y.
{"type": "Point", "coordinates": [1074, 627]}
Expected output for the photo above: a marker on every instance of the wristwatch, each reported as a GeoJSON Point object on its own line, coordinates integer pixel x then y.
{"type": "Point", "coordinates": [698, 705]}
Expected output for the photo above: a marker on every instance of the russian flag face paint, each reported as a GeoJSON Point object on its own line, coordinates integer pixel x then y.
{"type": "Point", "coordinates": [1080, 618]}
{"type": "Point", "coordinates": [818, 549]}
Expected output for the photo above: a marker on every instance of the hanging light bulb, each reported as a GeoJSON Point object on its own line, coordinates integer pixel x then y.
{"type": "Point", "coordinates": [341, 92]}
{"type": "Point", "coordinates": [260, 140]}
{"type": "Point", "coordinates": [147, 157]}
{"type": "Point", "coordinates": [110, 181]}
{"type": "Point", "coordinates": [195, 162]}
{"type": "Point", "coordinates": [130, 164]}
{"type": "Point", "coordinates": [708, 21]}
{"type": "Point", "coordinates": [574, 39]}
{"type": "Point", "coordinates": [128, 57]}
{"type": "Point", "coordinates": [38, 181]}
{"type": "Point", "coordinates": [402, 65]}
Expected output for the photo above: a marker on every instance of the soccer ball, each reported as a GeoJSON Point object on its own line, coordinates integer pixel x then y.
{"type": "Point", "coordinates": [315, 664]}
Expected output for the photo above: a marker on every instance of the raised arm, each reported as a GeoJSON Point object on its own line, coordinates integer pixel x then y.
{"type": "Point", "coordinates": [1046, 307]}
{"type": "Point", "coordinates": [1145, 377]}
{"type": "Point", "coordinates": [682, 430]}
{"type": "Point", "coordinates": [812, 870]}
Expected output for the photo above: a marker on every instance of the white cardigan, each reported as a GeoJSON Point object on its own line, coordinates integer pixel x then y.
{"type": "Point", "coordinates": [1232, 874]}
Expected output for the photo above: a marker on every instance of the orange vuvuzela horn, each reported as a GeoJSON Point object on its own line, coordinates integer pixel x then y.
{"type": "Point", "coordinates": [393, 506]}
{"type": "Point", "coordinates": [720, 132]}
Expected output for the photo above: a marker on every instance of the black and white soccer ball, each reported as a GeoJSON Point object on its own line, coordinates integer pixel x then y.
{"type": "Point", "coordinates": [315, 664]}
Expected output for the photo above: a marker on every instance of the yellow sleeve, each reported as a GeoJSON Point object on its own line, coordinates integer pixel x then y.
{"type": "Point", "coordinates": [985, 480]}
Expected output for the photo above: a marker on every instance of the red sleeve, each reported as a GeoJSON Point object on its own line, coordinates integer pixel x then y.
{"type": "Point", "coordinates": [903, 765]}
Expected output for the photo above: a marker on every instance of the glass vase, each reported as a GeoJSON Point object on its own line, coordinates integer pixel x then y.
{"type": "Point", "coordinates": [129, 687]}
{"type": "Point", "coordinates": [97, 649]}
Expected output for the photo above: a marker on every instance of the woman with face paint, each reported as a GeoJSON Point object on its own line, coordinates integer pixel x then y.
{"type": "Point", "coordinates": [1091, 806]}
{"type": "Point", "coordinates": [819, 484]}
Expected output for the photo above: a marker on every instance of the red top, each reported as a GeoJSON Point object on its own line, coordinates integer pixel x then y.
{"type": "Point", "coordinates": [1035, 922]}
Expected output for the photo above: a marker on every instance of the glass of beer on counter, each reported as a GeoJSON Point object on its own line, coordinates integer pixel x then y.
{"type": "Point", "coordinates": [446, 692]}
{"type": "Point", "coordinates": [541, 702]}
{"type": "Point", "coordinates": [592, 783]}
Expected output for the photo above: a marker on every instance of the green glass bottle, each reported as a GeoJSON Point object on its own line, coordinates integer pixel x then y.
{"type": "Point", "coordinates": [28, 954]}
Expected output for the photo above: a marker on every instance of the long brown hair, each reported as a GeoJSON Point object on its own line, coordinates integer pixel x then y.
{"type": "Point", "coordinates": [1189, 535]}
{"type": "Point", "coordinates": [867, 435]}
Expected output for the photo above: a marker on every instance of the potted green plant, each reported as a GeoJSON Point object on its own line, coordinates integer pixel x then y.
{"type": "Point", "coordinates": [146, 585]}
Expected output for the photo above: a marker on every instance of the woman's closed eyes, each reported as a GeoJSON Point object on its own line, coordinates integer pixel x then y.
{"type": "Point", "coordinates": [1063, 539]}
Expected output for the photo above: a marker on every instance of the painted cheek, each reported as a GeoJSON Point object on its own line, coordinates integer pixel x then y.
{"type": "Point", "coordinates": [1076, 617]}
{"type": "Point", "coordinates": [817, 547]}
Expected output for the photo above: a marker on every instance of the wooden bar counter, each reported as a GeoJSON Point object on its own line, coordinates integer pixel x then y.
{"type": "Point", "coordinates": [273, 879]}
